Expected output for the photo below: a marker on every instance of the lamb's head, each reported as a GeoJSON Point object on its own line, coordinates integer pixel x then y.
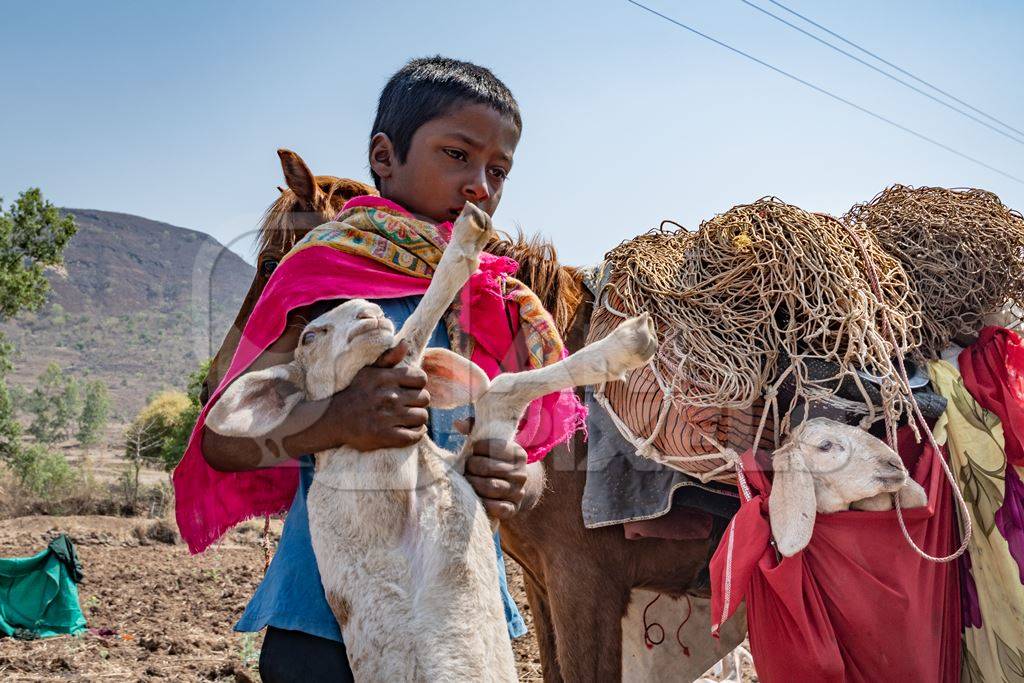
{"type": "Point", "coordinates": [338, 344]}
{"type": "Point", "coordinates": [332, 349]}
{"type": "Point", "coordinates": [825, 467]}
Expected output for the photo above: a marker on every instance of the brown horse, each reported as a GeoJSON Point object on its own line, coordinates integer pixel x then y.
{"type": "Point", "coordinates": [578, 580]}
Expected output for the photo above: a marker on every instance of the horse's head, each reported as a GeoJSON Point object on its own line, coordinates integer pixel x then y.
{"type": "Point", "coordinates": [305, 202]}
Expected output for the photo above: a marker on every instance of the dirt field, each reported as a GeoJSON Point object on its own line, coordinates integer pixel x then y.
{"type": "Point", "coordinates": [156, 613]}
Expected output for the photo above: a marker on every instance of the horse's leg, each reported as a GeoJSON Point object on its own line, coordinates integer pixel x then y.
{"type": "Point", "coordinates": [586, 609]}
{"type": "Point", "coordinates": [543, 629]}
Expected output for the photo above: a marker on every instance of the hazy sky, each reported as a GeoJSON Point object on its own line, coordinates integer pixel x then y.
{"type": "Point", "coordinates": [174, 111]}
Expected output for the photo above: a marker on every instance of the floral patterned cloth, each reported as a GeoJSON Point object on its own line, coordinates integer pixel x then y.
{"type": "Point", "coordinates": [992, 593]}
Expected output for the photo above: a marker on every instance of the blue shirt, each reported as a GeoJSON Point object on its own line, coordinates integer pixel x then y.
{"type": "Point", "coordinates": [291, 595]}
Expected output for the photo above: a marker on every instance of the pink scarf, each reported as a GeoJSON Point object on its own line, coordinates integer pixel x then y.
{"type": "Point", "coordinates": [209, 503]}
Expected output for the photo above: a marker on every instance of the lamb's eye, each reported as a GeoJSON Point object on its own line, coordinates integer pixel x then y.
{"type": "Point", "coordinates": [825, 446]}
{"type": "Point", "coordinates": [308, 338]}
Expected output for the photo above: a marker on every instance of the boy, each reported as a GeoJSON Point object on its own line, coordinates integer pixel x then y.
{"type": "Point", "coordinates": [445, 133]}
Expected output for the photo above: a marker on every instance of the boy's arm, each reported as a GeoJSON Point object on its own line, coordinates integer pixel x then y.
{"type": "Point", "coordinates": [383, 407]}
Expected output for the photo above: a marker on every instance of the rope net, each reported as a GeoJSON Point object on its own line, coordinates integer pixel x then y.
{"type": "Point", "coordinates": [759, 294]}
{"type": "Point", "coordinates": [962, 249]}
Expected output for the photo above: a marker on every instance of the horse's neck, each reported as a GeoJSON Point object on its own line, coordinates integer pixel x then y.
{"type": "Point", "coordinates": [575, 336]}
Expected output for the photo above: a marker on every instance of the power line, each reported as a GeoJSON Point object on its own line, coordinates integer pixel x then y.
{"type": "Point", "coordinates": [885, 73]}
{"type": "Point", "coordinates": [894, 66]}
{"type": "Point", "coordinates": [828, 93]}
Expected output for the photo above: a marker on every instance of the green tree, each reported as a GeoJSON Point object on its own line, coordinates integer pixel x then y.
{"type": "Point", "coordinates": [54, 403]}
{"type": "Point", "coordinates": [153, 425]}
{"type": "Point", "coordinates": [33, 235]}
{"type": "Point", "coordinates": [95, 413]}
{"type": "Point", "coordinates": [174, 443]}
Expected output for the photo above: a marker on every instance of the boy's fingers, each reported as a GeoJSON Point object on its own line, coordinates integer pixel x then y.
{"type": "Point", "coordinates": [416, 399]}
{"type": "Point", "coordinates": [496, 489]}
{"type": "Point", "coordinates": [498, 509]}
{"type": "Point", "coordinates": [483, 466]}
{"type": "Point", "coordinates": [413, 418]}
{"type": "Point", "coordinates": [411, 378]}
{"type": "Point", "coordinates": [505, 451]}
{"type": "Point", "coordinates": [405, 436]}
{"type": "Point", "coordinates": [393, 356]}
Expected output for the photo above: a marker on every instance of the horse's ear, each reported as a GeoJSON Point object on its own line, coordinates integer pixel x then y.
{"type": "Point", "coordinates": [257, 402]}
{"type": "Point", "coordinates": [452, 380]}
{"type": "Point", "coordinates": [298, 177]}
{"type": "Point", "coordinates": [792, 507]}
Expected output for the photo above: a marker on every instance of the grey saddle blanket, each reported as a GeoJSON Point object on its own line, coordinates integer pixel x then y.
{"type": "Point", "coordinates": [625, 487]}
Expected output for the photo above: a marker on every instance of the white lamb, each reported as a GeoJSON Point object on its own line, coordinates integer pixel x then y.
{"type": "Point", "coordinates": [403, 544]}
{"type": "Point", "coordinates": [827, 466]}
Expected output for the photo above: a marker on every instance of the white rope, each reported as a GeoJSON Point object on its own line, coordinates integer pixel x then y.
{"type": "Point", "coordinates": [904, 381]}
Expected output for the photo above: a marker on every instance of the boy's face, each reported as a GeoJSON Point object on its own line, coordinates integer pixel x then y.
{"type": "Point", "coordinates": [462, 156]}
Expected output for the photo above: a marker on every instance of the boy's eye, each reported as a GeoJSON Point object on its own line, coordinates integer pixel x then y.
{"type": "Point", "coordinates": [456, 154]}
{"type": "Point", "coordinates": [499, 172]}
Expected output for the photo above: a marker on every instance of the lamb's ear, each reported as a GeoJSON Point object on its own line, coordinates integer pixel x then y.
{"type": "Point", "coordinates": [791, 505]}
{"type": "Point", "coordinates": [257, 402]}
{"type": "Point", "coordinates": [452, 380]}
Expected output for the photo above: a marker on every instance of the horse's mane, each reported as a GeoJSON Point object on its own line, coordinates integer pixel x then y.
{"type": "Point", "coordinates": [560, 288]}
{"type": "Point", "coordinates": [279, 231]}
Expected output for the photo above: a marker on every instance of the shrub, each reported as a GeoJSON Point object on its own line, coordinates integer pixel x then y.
{"type": "Point", "coordinates": [41, 471]}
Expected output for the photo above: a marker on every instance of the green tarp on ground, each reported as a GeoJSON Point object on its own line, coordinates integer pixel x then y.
{"type": "Point", "coordinates": [38, 595]}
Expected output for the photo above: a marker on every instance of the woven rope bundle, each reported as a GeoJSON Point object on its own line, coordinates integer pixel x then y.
{"type": "Point", "coordinates": [755, 294]}
{"type": "Point", "coordinates": [962, 249]}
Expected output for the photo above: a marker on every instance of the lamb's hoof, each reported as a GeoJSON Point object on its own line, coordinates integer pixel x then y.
{"type": "Point", "coordinates": [638, 338]}
{"type": "Point", "coordinates": [473, 227]}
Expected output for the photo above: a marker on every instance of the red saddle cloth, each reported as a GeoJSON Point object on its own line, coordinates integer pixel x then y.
{"type": "Point", "coordinates": [857, 604]}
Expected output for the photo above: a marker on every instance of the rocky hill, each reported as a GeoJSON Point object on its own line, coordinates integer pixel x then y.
{"type": "Point", "coordinates": [138, 305]}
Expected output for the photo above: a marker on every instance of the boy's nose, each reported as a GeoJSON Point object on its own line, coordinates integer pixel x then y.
{"type": "Point", "coordinates": [476, 188]}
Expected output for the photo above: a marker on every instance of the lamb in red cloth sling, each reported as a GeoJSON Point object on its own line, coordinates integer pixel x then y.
{"type": "Point", "coordinates": [857, 604]}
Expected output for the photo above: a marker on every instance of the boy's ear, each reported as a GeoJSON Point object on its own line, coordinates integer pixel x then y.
{"type": "Point", "coordinates": [452, 380]}
{"type": "Point", "coordinates": [257, 402]}
{"type": "Point", "coordinates": [298, 177]}
{"type": "Point", "coordinates": [382, 155]}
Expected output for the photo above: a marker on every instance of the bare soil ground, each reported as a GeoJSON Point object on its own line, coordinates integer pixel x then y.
{"type": "Point", "coordinates": [156, 613]}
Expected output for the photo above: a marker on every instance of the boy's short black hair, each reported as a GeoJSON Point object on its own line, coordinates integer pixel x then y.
{"type": "Point", "coordinates": [429, 87]}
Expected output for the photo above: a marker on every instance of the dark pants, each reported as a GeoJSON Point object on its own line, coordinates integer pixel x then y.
{"type": "Point", "coordinates": [293, 656]}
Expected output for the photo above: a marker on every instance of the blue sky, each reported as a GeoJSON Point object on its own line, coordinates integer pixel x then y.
{"type": "Point", "coordinates": [174, 111]}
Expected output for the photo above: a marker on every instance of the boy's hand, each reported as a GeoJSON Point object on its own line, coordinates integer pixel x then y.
{"type": "Point", "coordinates": [498, 473]}
{"type": "Point", "coordinates": [384, 406]}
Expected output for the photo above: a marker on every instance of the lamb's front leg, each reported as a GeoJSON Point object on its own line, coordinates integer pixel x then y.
{"type": "Point", "coordinates": [629, 346]}
{"type": "Point", "coordinates": [461, 258]}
